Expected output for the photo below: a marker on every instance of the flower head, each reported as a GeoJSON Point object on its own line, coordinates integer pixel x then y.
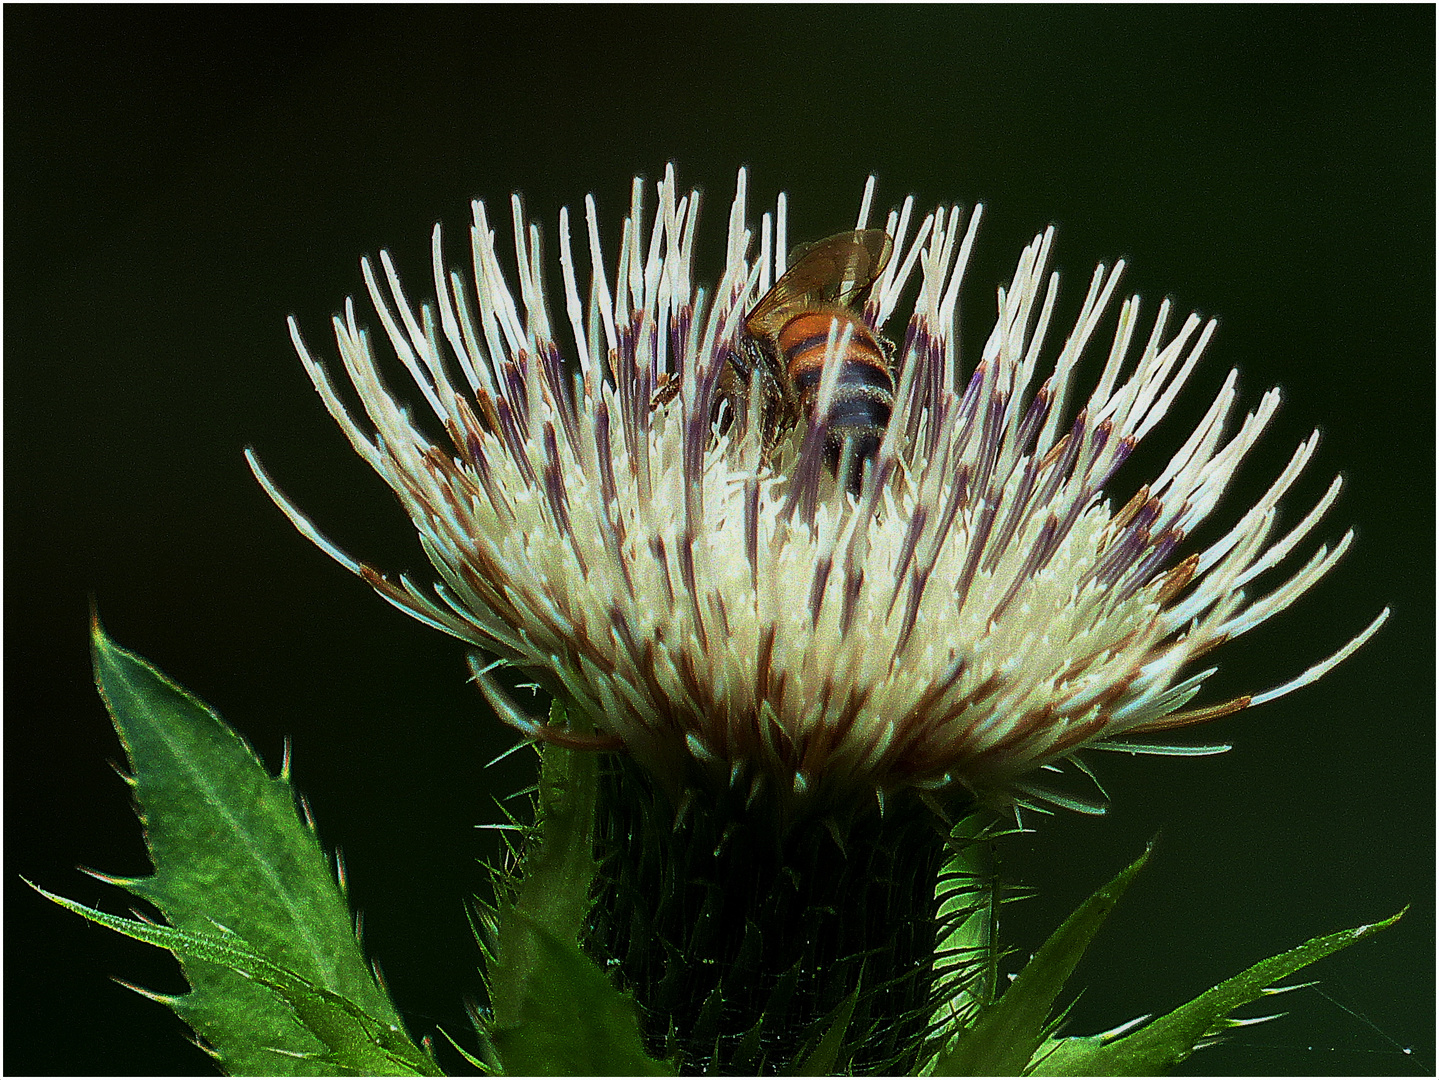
{"type": "Point", "coordinates": [972, 606]}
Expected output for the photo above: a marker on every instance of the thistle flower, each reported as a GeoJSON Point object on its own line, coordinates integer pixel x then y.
{"type": "Point", "coordinates": [767, 642]}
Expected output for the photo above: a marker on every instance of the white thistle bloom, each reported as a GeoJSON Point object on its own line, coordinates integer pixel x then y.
{"type": "Point", "coordinates": [983, 608]}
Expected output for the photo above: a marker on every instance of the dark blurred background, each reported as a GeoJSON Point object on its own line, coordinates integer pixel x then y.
{"type": "Point", "coordinates": [179, 180]}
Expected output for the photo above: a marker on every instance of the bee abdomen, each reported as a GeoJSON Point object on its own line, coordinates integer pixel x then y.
{"type": "Point", "coordinates": [863, 393]}
{"type": "Point", "coordinates": [864, 371]}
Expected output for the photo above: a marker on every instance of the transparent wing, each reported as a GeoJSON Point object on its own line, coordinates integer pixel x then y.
{"type": "Point", "coordinates": [834, 270]}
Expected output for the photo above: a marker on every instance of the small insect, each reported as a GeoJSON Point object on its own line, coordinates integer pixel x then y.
{"type": "Point", "coordinates": [787, 339]}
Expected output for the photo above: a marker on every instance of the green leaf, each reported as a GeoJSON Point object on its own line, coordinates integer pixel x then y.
{"type": "Point", "coordinates": [967, 951]}
{"type": "Point", "coordinates": [1007, 1033]}
{"type": "Point", "coordinates": [230, 851]}
{"type": "Point", "coordinates": [555, 1013]}
{"type": "Point", "coordinates": [570, 1021]}
{"type": "Point", "coordinates": [1161, 1044]}
{"type": "Point", "coordinates": [823, 1060]}
{"type": "Point", "coordinates": [357, 1044]}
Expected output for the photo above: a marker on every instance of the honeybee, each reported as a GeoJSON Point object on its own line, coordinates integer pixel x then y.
{"type": "Point", "coordinates": [786, 341]}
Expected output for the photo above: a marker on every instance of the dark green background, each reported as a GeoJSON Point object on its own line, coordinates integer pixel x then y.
{"type": "Point", "coordinates": [179, 180]}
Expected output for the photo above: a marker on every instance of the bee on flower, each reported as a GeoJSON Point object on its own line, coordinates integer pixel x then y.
{"type": "Point", "coordinates": [815, 580]}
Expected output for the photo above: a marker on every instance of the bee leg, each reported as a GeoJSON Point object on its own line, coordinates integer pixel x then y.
{"type": "Point", "coordinates": [668, 390]}
{"type": "Point", "coordinates": [848, 466]}
{"type": "Point", "coordinates": [851, 458]}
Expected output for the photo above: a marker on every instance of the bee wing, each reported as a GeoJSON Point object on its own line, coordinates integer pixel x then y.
{"type": "Point", "coordinates": [833, 270]}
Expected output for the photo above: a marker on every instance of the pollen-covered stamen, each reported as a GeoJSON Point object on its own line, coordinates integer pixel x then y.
{"type": "Point", "coordinates": [1039, 553]}
{"type": "Point", "coordinates": [906, 552]}
{"type": "Point", "coordinates": [992, 435]}
{"type": "Point", "coordinates": [1144, 570]}
{"type": "Point", "coordinates": [558, 392]}
{"type": "Point", "coordinates": [1027, 431]}
{"type": "Point", "coordinates": [558, 499]}
{"type": "Point", "coordinates": [1125, 546]}
{"type": "Point", "coordinates": [612, 527]}
{"type": "Point", "coordinates": [1012, 500]}
{"type": "Point", "coordinates": [684, 545]}
{"type": "Point", "coordinates": [962, 422]}
{"type": "Point", "coordinates": [904, 419]}
{"type": "Point", "coordinates": [975, 546]}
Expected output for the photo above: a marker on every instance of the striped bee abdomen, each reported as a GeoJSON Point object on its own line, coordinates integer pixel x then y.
{"type": "Point", "coordinates": [864, 394]}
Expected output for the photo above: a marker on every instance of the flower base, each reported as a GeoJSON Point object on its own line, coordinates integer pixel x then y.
{"type": "Point", "coordinates": [745, 938]}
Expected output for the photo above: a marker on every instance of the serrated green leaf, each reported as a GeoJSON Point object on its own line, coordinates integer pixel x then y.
{"type": "Point", "coordinates": [560, 865]}
{"type": "Point", "coordinates": [555, 1013]}
{"type": "Point", "coordinates": [968, 951]}
{"type": "Point", "coordinates": [230, 850]}
{"type": "Point", "coordinates": [1007, 1033]}
{"type": "Point", "coordinates": [1065, 1055]}
{"type": "Point", "coordinates": [552, 890]}
{"type": "Point", "coordinates": [570, 1020]}
{"type": "Point", "coordinates": [356, 1043]}
{"type": "Point", "coordinates": [1164, 1043]}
